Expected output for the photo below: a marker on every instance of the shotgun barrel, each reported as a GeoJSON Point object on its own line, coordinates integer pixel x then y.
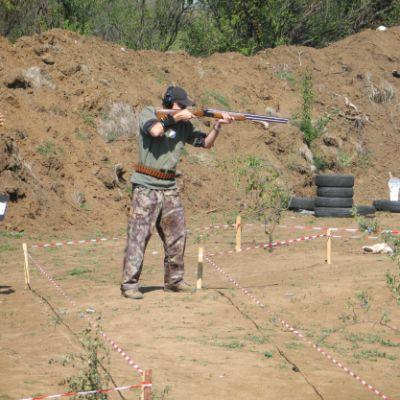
{"type": "Point", "coordinates": [212, 113]}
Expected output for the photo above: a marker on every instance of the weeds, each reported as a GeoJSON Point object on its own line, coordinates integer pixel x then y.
{"type": "Point", "coordinates": [320, 162]}
{"type": "Point", "coordinates": [210, 97]}
{"type": "Point", "coordinates": [384, 93]}
{"type": "Point", "coordinates": [373, 355]}
{"type": "Point", "coordinates": [11, 235]}
{"type": "Point", "coordinates": [364, 224]}
{"type": "Point", "coordinates": [307, 94]}
{"type": "Point", "coordinates": [78, 271]}
{"type": "Point", "coordinates": [287, 76]}
{"type": "Point", "coordinates": [91, 375]}
{"type": "Point", "coordinates": [47, 148]}
{"type": "Point", "coordinates": [80, 135]}
{"type": "Point", "coordinates": [311, 129]}
{"type": "Point", "coordinates": [393, 279]}
{"type": "Point", "coordinates": [88, 118]}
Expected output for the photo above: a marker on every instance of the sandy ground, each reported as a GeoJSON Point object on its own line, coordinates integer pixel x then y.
{"type": "Point", "coordinates": [216, 343]}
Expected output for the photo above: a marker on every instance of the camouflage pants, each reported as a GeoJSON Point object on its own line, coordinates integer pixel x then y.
{"type": "Point", "coordinates": [162, 209]}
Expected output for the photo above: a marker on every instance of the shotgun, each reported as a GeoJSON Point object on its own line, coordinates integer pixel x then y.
{"type": "Point", "coordinates": [211, 113]}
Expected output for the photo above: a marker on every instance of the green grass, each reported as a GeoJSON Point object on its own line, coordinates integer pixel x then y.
{"type": "Point", "coordinates": [47, 148]}
{"type": "Point", "coordinates": [79, 271]}
{"type": "Point", "coordinates": [80, 135]}
{"type": "Point", "coordinates": [286, 76]}
{"type": "Point", "coordinates": [11, 235]}
{"type": "Point", "coordinates": [373, 355]}
{"type": "Point", "coordinates": [6, 247]}
{"type": "Point", "coordinates": [211, 97]}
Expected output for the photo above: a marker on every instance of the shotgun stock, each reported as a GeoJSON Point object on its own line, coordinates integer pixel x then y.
{"type": "Point", "coordinates": [211, 113]}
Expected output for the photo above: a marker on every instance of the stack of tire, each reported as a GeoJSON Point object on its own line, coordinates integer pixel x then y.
{"type": "Point", "coordinates": [335, 197]}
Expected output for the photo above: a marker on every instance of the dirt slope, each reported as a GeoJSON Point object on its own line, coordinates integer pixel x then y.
{"type": "Point", "coordinates": [69, 145]}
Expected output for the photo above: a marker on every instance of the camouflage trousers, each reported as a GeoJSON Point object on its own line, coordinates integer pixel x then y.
{"type": "Point", "coordinates": [161, 209]}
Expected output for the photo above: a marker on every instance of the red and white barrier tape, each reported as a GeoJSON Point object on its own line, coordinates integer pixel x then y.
{"type": "Point", "coordinates": [73, 242]}
{"type": "Point", "coordinates": [270, 245]}
{"type": "Point", "coordinates": [209, 228]}
{"type": "Point", "coordinates": [93, 323]}
{"type": "Point", "coordinates": [89, 392]}
{"type": "Point", "coordinates": [296, 332]}
{"type": "Point", "coordinates": [293, 227]}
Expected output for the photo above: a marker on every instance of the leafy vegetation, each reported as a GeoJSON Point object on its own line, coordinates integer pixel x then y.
{"type": "Point", "coordinates": [268, 198]}
{"type": "Point", "coordinates": [393, 279]}
{"type": "Point", "coordinates": [91, 362]}
{"type": "Point", "coordinates": [200, 27]}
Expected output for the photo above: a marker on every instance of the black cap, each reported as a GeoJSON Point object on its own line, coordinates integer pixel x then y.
{"type": "Point", "coordinates": [179, 95]}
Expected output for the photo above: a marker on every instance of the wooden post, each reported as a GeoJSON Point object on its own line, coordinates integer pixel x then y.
{"type": "Point", "coordinates": [238, 234]}
{"type": "Point", "coordinates": [329, 247]}
{"type": "Point", "coordinates": [199, 283]}
{"type": "Point", "coordinates": [146, 379]}
{"type": "Point", "coordinates": [26, 265]}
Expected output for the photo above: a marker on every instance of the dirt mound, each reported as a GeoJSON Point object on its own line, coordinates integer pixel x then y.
{"type": "Point", "coordinates": [71, 103]}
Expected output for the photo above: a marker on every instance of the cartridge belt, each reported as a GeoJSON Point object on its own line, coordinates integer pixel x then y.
{"type": "Point", "coordinates": [165, 174]}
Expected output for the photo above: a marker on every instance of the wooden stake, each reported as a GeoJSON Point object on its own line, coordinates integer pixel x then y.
{"type": "Point", "coordinates": [26, 264]}
{"type": "Point", "coordinates": [199, 283]}
{"type": "Point", "coordinates": [146, 391]}
{"type": "Point", "coordinates": [329, 247]}
{"type": "Point", "coordinates": [238, 234]}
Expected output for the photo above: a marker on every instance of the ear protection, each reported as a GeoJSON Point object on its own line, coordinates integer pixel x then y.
{"type": "Point", "coordinates": [168, 99]}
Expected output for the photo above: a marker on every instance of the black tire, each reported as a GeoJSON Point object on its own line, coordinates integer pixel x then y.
{"type": "Point", "coordinates": [346, 181]}
{"type": "Point", "coordinates": [341, 202]}
{"type": "Point", "coordinates": [301, 203]}
{"type": "Point", "coordinates": [366, 210]}
{"type": "Point", "coordinates": [339, 212]}
{"type": "Point", "coordinates": [387, 205]}
{"type": "Point", "coordinates": [341, 192]}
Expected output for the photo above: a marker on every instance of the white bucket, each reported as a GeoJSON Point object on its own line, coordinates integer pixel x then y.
{"type": "Point", "coordinates": [394, 192]}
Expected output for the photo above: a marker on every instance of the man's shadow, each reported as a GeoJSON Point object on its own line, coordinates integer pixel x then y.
{"type": "Point", "coordinates": [147, 289]}
{"type": "Point", "coordinates": [6, 290]}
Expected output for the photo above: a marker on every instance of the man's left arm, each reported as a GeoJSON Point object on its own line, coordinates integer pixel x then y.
{"type": "Point", "coordinates": [200, 139]}
{"type": "Point", "coordinates": [213, 134]}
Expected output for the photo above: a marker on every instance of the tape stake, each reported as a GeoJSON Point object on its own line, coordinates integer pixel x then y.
{"type": "Point", "coordinates": [199, 283]}
{"type": "Point", "coordinates": [238, 227]}
{"type": "Point", "coordinates": [26, 265]}
{"type": "Point", "coordinates": [328, 246]}
{"type": "Point", "coordinates": [146, 389]}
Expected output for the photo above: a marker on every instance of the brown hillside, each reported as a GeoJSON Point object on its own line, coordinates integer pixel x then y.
{"type": "Point", "coordinates": [70, 101]}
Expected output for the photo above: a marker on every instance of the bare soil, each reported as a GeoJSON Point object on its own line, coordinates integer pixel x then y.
{"type": "Point", "coordinates": [216, 343]}
{"type": "Point", "coordinates": [69, 145]}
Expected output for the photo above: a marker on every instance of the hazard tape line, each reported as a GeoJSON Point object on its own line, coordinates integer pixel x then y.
{"type": "Point", "coordinates": [113, 344]}
{"type": "Point", "coordinates": [73, 242]}
{"type": "Point", "coordinates": [299, 227]}
{"type": "Point", "coordinates": [297, 332]}
{"type": "Point", "coordinates": [271, 245]}
{"type": "Point", "coordinates": [206, 228]}
{"type": "Point", "coordinates": [89, 392]}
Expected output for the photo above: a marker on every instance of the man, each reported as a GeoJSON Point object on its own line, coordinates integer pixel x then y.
{"type": "Point", "coordinates": [155, 198]}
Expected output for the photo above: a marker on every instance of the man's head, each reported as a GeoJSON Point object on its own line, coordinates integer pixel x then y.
{"type": "Point", "coordinates": [177, 96]}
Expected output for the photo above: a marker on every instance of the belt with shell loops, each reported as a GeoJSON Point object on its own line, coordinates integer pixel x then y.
{"type": "Point", "coordinates": [165, 174]}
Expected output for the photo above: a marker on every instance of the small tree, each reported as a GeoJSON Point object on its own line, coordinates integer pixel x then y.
{"type": "Point", "coordinates": [269, 199]}
{"type": "Point", "coordinates": [92, 374]}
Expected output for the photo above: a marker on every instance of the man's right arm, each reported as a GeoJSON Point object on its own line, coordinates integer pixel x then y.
{"type": "Point", "coordinates": [157, 128]}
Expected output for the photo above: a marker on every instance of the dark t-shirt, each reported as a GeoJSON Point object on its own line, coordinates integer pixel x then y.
{"type": "Point", "coordinates": [164, 152]}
